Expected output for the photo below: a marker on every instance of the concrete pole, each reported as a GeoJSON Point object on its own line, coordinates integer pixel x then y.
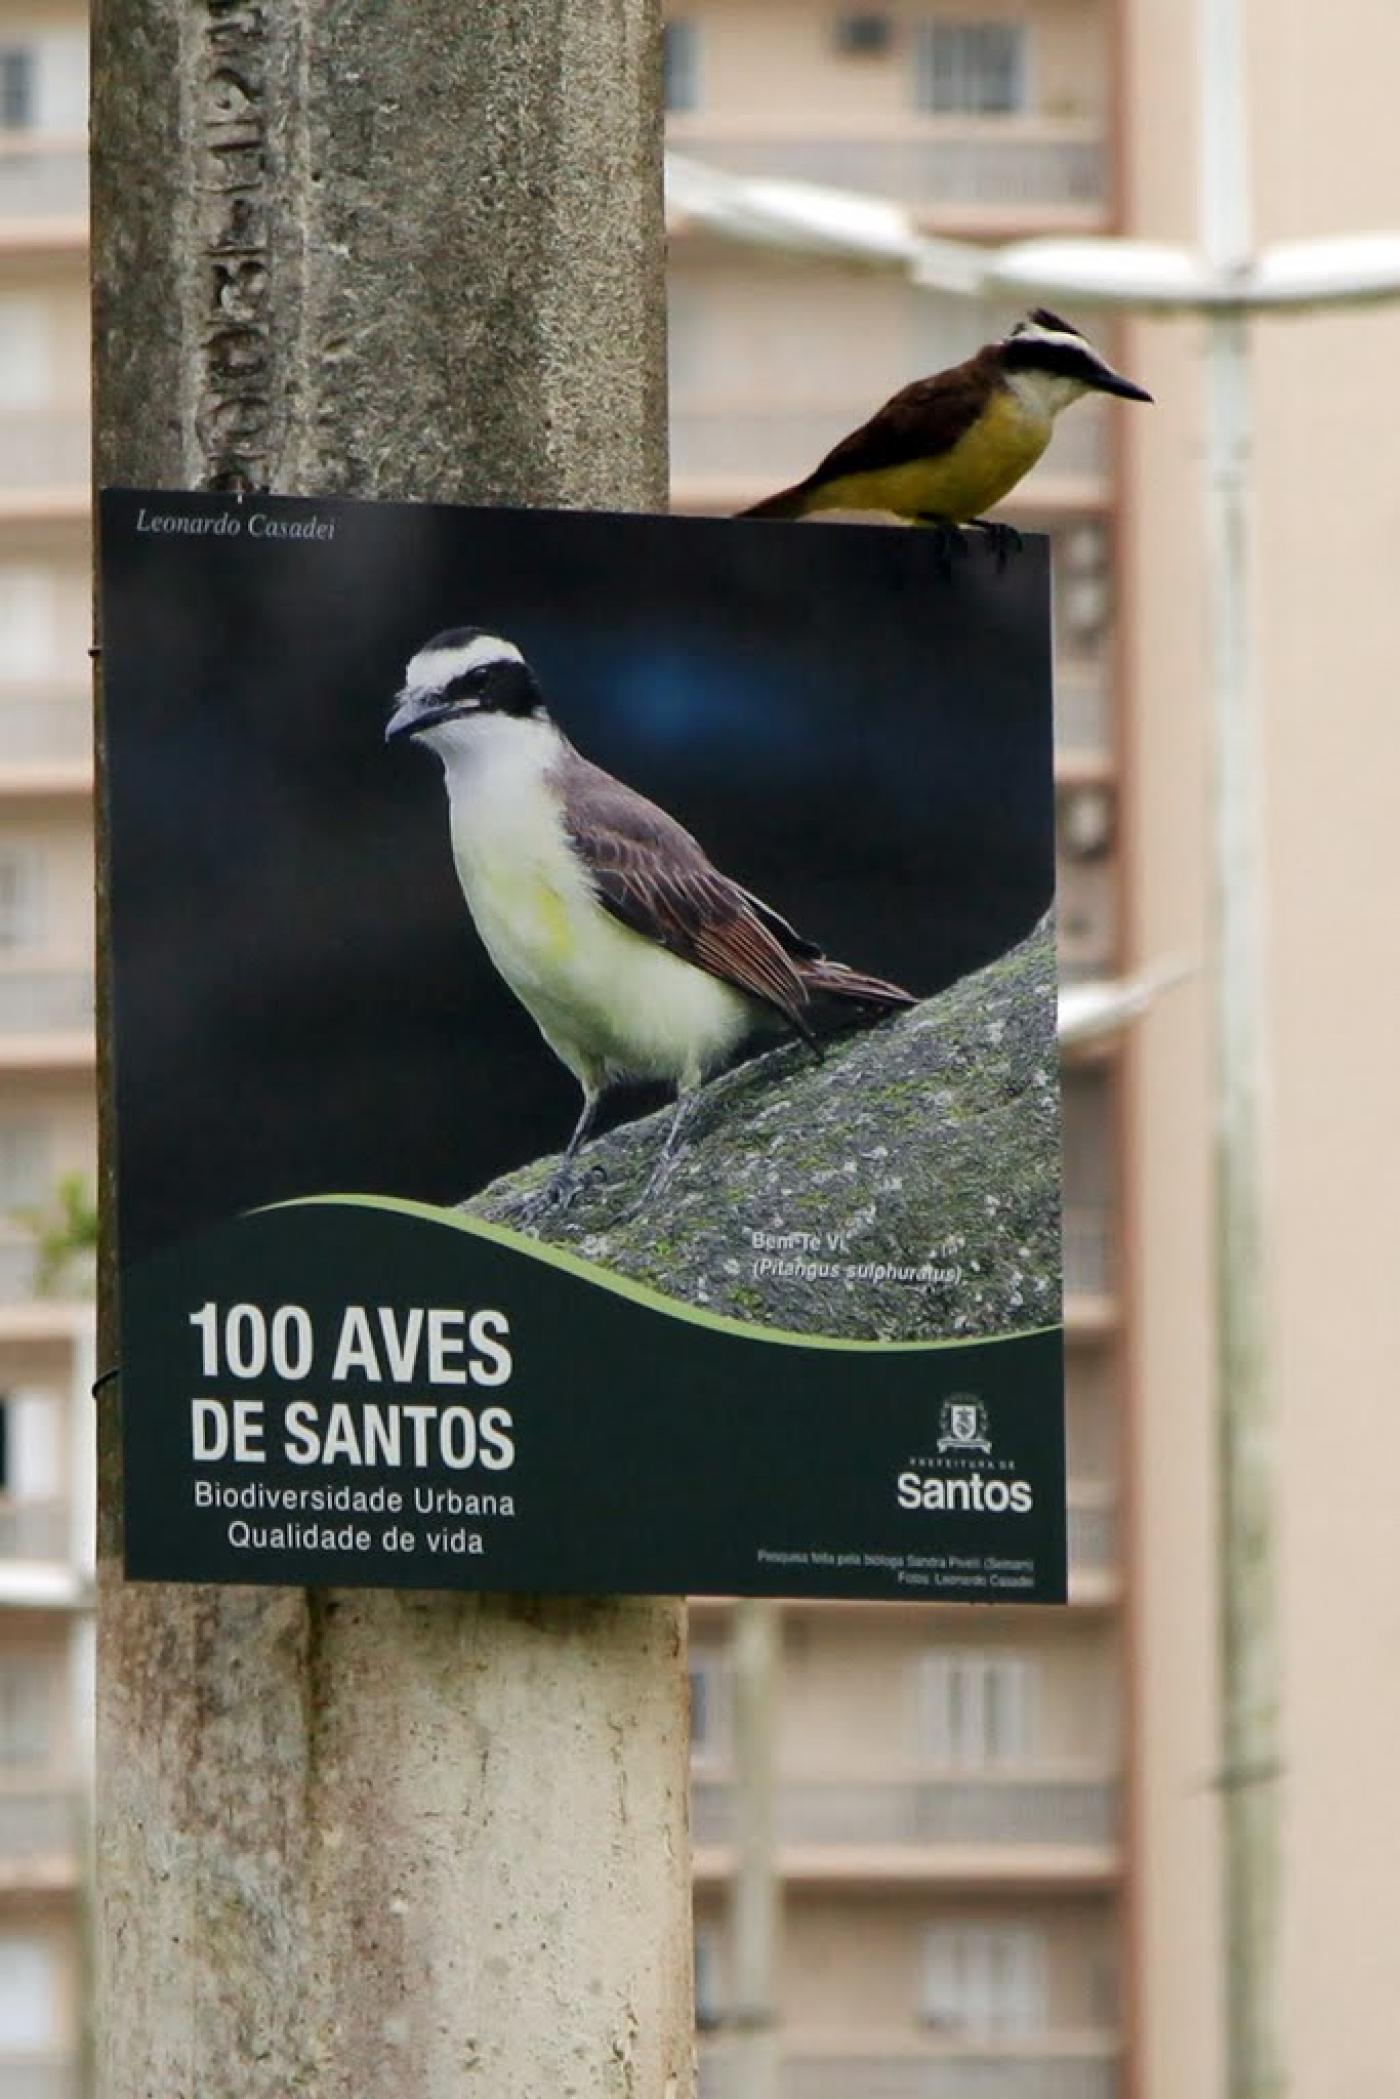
{"type": "Point", "coordinates": [363, 1842]}
{"type": "Point", "coordinates": [755, 1648]}
{"type": "Point", "coordinates": [1248, 1487]}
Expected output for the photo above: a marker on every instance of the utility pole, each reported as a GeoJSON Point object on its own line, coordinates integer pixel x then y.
{"type": "Point", "coordinates": [1249, 1638]}
{"type": "Point", "coordinates": [362, 1842]}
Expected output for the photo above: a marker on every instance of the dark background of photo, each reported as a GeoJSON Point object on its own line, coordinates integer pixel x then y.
{"type": "Point", "coordinates": [301, 1002]}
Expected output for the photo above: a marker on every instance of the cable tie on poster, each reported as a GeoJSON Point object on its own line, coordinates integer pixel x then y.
{"type": "Point", "coordinates": [105, 1379]}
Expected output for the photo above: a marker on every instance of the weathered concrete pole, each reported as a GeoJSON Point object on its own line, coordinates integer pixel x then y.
{"type": "Point", "coordinates": [362, 1843]}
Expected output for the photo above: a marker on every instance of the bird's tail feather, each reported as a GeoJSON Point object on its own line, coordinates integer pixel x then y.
{"type": "Point", "coordinates": [834, 980]}
{"type": "Point", "coordinates": [788, 502]}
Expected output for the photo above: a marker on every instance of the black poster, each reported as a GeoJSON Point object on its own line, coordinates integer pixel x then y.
{"type": "Point", "coordinates": [584, 1008]}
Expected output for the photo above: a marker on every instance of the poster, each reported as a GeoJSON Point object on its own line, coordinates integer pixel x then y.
{"type": "Point", "coordinates": [434, 831]}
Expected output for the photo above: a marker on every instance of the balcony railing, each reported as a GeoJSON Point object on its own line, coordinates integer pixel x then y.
{"type": "Point", "coordinates": [44, 448]}
{"type": "Point", "coordinates": [42, 178]}
{"type": "Point", "coordinates": [36, 2080]}
{"type": "Point", "coordinates": [965, 2075]}
{"type": "Point", "coordinates": [37, 1829]}
{"type": "Point", "coordinates": [1005, 165]}
{"type": "Point", "coordinates": [46, 1001]}
{"type": "Point", "coordinates": [44, 728]}
{"type": "Point", "coordinates": [944, 1811]}
{"type": "Point", "coordinates": [741, 443]}
{"type": "Point", "coordinates": [35, 1530]}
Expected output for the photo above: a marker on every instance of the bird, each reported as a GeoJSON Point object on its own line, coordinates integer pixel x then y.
{"type": "Point", "coordinates": [636, 958]}
{"type": "Point", "coordinates": [944, 449]}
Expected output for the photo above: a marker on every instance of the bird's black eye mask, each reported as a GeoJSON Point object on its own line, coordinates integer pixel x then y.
{"type": "Point", "coordinates": [494, 688]}
{"type": "Point", "coordinates": [1031, 353]}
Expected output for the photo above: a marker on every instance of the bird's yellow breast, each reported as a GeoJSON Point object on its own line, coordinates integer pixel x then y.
{"type": "Point", "coordinates": [986, 462]}
{"type": "Point", "coordinates": [533, 908]}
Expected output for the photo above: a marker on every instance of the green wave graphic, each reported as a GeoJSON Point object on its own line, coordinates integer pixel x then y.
{"type": "Point", "coordinates": [626, 1286]}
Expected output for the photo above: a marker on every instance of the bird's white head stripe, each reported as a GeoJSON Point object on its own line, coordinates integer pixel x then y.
{"type": "Point", "coordinates": [1032, 332]}
{"type": "Point", "coordinates": [432, 669]}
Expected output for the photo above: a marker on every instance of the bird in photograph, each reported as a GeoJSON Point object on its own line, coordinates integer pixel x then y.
{"type": "Point", "coordinates": [945, 449]}
{"type": "Point", "coordinates": [635, 957]}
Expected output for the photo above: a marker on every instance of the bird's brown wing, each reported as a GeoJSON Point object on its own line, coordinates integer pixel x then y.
{"type": "Point", "coordinates": [783, 931]}
{"type": "Point", "coordinates": [652, 875]}
{"type": "Point", "coordinates": [919, 422]}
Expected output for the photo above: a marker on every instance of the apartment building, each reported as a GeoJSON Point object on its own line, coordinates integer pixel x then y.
{"type": "Point", "coordinates": [943, 1965]}
{"type": "Point", "coordinates": [951, 1842]}
{"type": "Point", "coordinates": [47, 1144]}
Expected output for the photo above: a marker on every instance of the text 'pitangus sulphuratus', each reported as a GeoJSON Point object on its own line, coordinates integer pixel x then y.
{"type": "Point", "coordinates": [636, 958]}
{"type": "Point", "coordinates": [945, 449]}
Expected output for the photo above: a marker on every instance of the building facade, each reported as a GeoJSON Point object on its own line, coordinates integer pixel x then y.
{"type": "Point", "coordinates": [952, 1848]}
{"type": "Point", "coordinates": [47, 1145]}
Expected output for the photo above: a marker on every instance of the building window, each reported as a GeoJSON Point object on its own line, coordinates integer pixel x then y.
{"type": "Point", "coordinates": [21, 913]}
{"type": "Point", "coordinates": [864, 35]}
{"type": "Point", "coordinates": [62, 96]}
{"type": "Point", "coordinates": [709, 1707]}
{"type": "Point", "coordinates": [1104, 2008]}
{"type": "Point", "coordinates": [709, 2007]}
{"type": "Point", "coordinates": [681, 65]}
{"type": "Point", "coordinates": [1087, 1105]}
{"type": "Point", "coordinates": [984, 1979]}
{"type": "Point", "coordinates": [689, 349]}
{"type": "Point", "coordinates": [977, 1708]}
{"type": "Point", "coordinates": [28, 1994]}
{"type": "Point", "coordinates": [26, 1709]}
{"type": "Point", "coordinates": [27, 621]}
{"type": "Point", "coordinates": [1083, 587]}
{"type": "Point", "coordinates": [31, 1447]}
{"type": "Point", "coordinates": [24, 1165]}
{"type": "Point", "coordinates": [26, 366]}
{"type": "Point", "coordinates": [971, 69]}
{"type": "Point", "coordinates": [17, 97]}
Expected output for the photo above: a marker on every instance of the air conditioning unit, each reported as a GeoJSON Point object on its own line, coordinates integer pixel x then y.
{"type": "Point", "coordinates": [864, 35]}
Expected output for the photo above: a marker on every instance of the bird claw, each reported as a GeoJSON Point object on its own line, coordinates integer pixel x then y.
{"type": "Point", "coordinates": [558, 1195]}
{"type": "Point", "coordinates": [951, 540]}
{"type": "Point", "coordinates": [1004, 539]}
{"type": "Point", "coordinates": [655, 1182]}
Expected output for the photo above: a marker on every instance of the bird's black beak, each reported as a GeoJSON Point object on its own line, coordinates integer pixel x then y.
{"type": "Point", "coordinates": [412, 716]}
{"type": "Point", "coordinates": [406, 717]}
{"type": "Point", "coordinates": [1111, 382]}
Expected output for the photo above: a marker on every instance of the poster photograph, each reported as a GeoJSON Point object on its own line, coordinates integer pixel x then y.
{"type": "Point", "coordinates": [583, 995]}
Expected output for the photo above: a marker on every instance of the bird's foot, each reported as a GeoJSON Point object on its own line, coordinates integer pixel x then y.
{"type": "Point", "coordinates": [660, 1174]}
{"type": "Point", "coordinates": [672, 1151]}
{"type": "Point", "coordinates": [656, 1180]}
{"type": "Point", "coordinates": [952, 540]}
{"type": "Point", "coordinates": [558, 1195]}
{"type": "Point", "coordinates": [1004, 539]}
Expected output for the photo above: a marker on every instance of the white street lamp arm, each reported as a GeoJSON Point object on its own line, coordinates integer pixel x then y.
{"type": "Point", "coordinates": [806, 218]}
